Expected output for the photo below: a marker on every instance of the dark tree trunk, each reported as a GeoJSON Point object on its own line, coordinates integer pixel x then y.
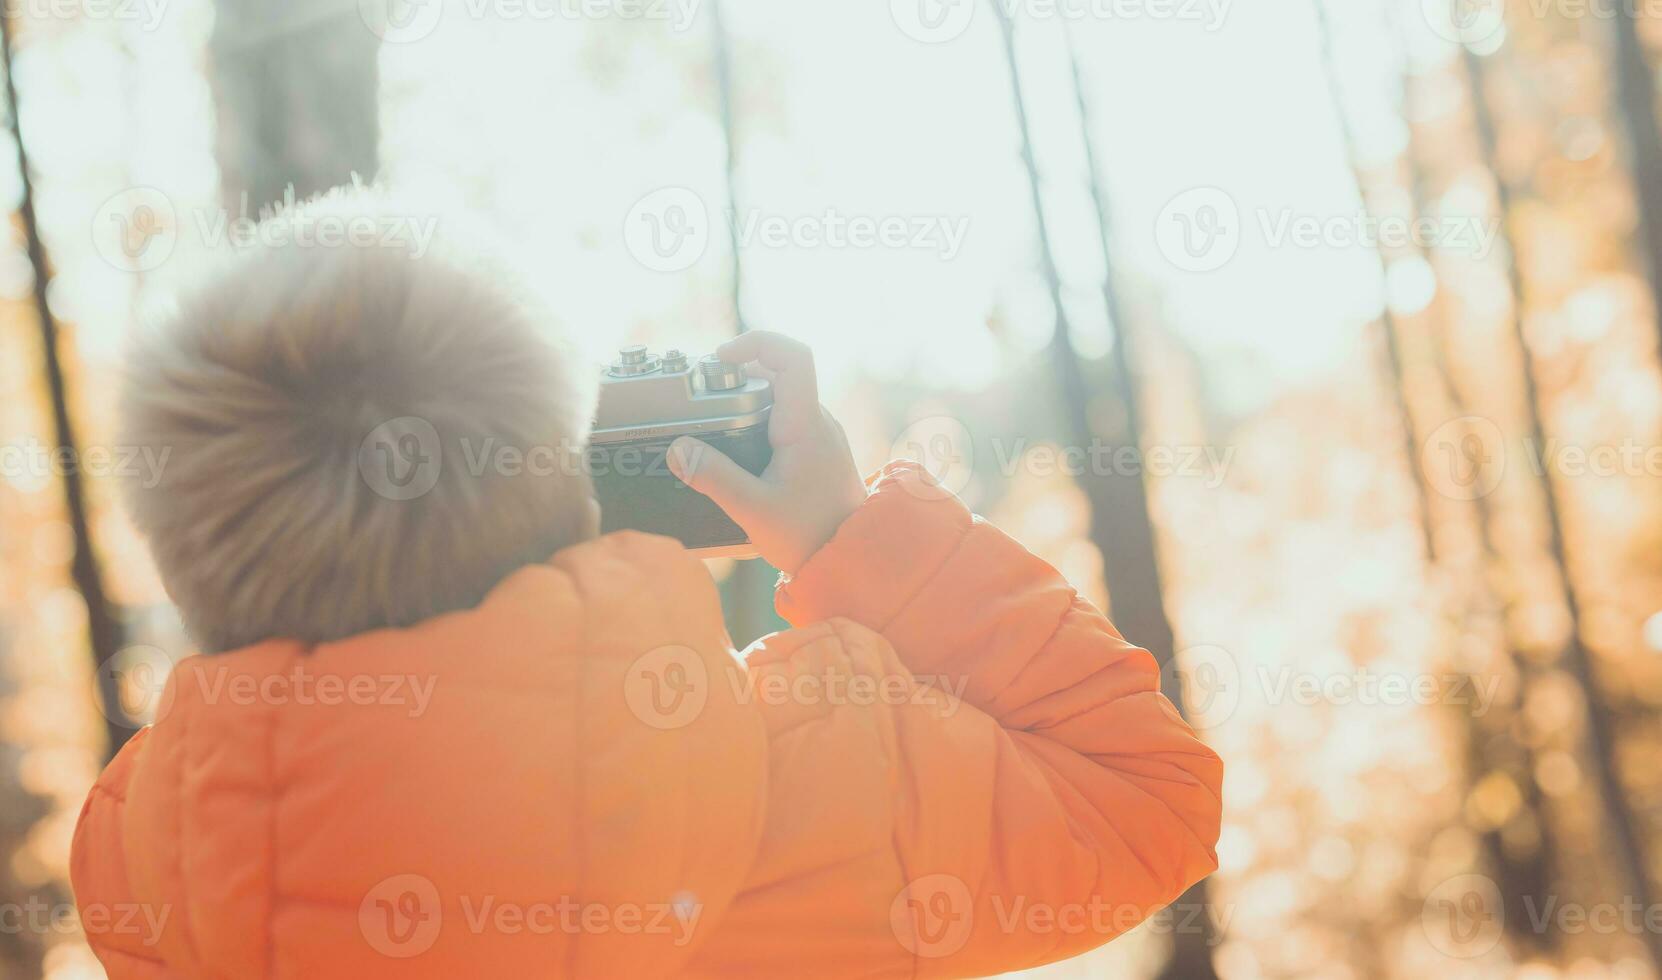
{"type": "Point", "coordinates": [1122, 528]}
{"type": "Point", "coordinates": [22, 951]}
{"type": "Point", "coordinates": [1635, 84]}
{"type": "Point", "coordinates": [747, 594]}
{"type": "Point", "coordinates": [722, 56]}
{"type": "Point", "coordinates": [104, 632]}
{"type": "Point", "coordinates": [1619, 817]}
{"type": "Point", "coordinates": [1390, 332]}
{"type": "Point", "coordinates": [295, 87]}
{"type": "Point", "coordinates": [1492, 747]}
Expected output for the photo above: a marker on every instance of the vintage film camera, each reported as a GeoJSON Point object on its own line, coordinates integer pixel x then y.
{"type": "Point", "coordinates": [646, 403]}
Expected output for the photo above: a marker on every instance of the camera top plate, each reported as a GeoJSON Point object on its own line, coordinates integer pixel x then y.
{"type": "Point", "coordinates": [643, 396]}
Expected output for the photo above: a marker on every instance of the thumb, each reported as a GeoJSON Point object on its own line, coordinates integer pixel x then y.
{"type": "Point", "coordinates": [712, 473]}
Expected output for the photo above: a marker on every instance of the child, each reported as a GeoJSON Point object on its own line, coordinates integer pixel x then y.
{"type": "Point", "coordinates": [444, 730]}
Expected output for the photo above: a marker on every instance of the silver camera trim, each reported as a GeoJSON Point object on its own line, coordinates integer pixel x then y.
{"type": "Point", "coordinates": [640, 433]}
{"type": "Point", "coordinates": [662, 403]}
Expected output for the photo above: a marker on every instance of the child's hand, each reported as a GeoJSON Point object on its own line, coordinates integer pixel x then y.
{"type": "Point", "coordinates": [809, 488]}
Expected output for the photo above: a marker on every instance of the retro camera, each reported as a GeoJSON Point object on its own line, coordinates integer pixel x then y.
{"type": "Point", "coordinates": [647, 402]}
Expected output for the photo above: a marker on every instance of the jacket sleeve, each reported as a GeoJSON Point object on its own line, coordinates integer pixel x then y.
{"type": "Point", "coordinates": [1069, 800]}
{"type": "Point", "coordinates": [121, 930]}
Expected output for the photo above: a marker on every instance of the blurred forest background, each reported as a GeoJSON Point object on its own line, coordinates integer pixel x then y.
{"type": "Point", "coordinates": [1317, 340]}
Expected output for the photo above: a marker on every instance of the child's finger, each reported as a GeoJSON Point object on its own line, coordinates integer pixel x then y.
{"type": "Point", "coordinates": [795, 383]}
{"type": "Point", "coordinates": [709, 471]}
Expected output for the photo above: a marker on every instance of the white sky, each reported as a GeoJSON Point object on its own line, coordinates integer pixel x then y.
{"type": "Point", "coordinates": [555, 127]}
{"type": "Point", "coordinates": [840, 108]}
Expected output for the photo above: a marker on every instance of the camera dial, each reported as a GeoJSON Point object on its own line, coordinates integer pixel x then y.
{"type": "Point", "coordinates": [632, 361]}
{"type": "Point", "coordinates": [720, 375]}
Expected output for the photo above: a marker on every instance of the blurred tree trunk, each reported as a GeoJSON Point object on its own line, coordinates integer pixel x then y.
{"type": "Point", "coordinates": [104, 632]}
{"type": "Point", "coordinates": [1492, 747]}
{"type": "Point", "coordinates": [1193, 932]}
{"type": "Point", "coordinates": [746, 594]}
{"type": "Point", "coordinates": [295, 86]}
{"type": "Point", "coordinates": [22, 950]}
{"type": "Point", "coordinates": [1619, 817]}
{"type": "Point", "coordinates": [1122, 528]}
{"type": "Point", "coordinates": [722, 58]}
{"type": "Point", "coordinates": [1486, 750]}
{"type": "Point", "coordinates": [22, 807]}
{"type": "Point", "coordinates": [1390, 331]}
{"type": "Point", "coordinates": [1635, 86]}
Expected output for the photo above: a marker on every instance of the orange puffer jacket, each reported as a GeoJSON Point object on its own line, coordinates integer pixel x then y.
{"type": "Point", "coordinates": [952, 766]}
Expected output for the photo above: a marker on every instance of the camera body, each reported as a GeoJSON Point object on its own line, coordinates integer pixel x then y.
{"type": "Point", "coordinates": [646, 403]}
